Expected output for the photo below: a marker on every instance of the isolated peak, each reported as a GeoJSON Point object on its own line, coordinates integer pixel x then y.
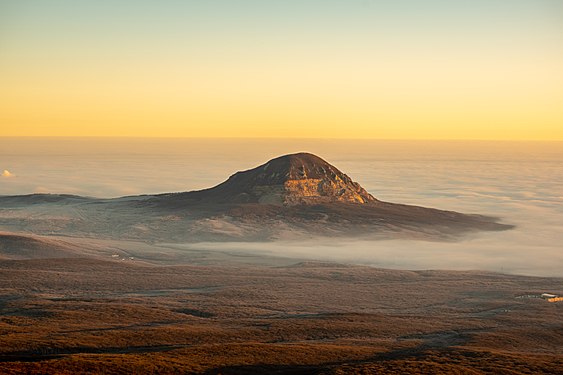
{"type": "Point", "coordinates": [301, 178]}
{"type": "Point", "coordinates": [299, 166]}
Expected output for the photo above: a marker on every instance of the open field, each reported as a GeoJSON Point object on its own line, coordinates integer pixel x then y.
{"type": "Point", "coordinates": [223, 313]}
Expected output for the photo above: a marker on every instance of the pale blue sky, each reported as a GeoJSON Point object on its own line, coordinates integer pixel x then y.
{"type": "Point", "coordinates": [503, 58]}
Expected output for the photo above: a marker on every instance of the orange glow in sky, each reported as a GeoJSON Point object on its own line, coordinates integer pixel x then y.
{"type": "Point", "coordinates": [332, 69]}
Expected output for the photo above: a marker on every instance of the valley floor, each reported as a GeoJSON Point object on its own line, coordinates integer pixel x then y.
{"type": "Point", "coordinates": [205, 312]}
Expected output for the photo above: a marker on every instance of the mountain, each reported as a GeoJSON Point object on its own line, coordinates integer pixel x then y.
{"type": "Point", "coordinates": [289, 197]}
{"type": "Point", "coordinates": [289, 180]}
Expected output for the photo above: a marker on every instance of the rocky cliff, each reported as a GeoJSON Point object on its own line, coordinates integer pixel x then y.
{"type": "Point", "coordinates": [294, 179]}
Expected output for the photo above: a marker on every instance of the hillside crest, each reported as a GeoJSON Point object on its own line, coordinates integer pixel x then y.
{"type": "Point", "coordinates": [293, 179]}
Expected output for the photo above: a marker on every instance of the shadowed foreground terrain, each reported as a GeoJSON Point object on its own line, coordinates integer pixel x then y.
{"type": "Point", "coordinates": [217, 313]}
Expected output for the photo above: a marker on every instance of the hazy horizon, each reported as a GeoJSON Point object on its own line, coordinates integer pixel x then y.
{"type": "Point", "coordinates": [519, 182]}
{"type": "Point", "coordinates": [212, 160]}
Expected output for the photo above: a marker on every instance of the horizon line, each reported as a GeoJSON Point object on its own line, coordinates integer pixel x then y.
{"type": "Point", "coordinates": [274, 138]}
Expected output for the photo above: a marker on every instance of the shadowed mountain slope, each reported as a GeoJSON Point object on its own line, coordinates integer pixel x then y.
{"type": "Point", "coordinates": [302, 193]}
{"type": "Point", "coordinates": [13, 246]}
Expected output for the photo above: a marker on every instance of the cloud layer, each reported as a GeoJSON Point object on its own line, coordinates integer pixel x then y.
{"type": "Point", "coordinates": [521, 183]}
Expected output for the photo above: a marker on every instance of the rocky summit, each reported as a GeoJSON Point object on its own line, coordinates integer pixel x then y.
{"type": "Point", "coordinates": [293, 179]}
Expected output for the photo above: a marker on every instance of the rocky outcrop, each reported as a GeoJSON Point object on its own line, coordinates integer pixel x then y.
{"type": "Point", "coordinates": [294, 179]}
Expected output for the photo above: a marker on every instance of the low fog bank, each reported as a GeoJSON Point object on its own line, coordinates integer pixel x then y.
{"type": "Point", "coordinates": [532, 248]}
{"type": "Point", "coordinates": [489, 253]}
{"type": "Point", "coordinates": [519, 182]}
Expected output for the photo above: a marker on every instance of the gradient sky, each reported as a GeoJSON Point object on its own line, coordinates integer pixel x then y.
{"type": "Point", "coordinates": [479, 69]}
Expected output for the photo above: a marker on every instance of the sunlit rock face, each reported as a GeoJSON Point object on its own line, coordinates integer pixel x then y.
{"type": "Point", "coordinates": [291, 180]}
